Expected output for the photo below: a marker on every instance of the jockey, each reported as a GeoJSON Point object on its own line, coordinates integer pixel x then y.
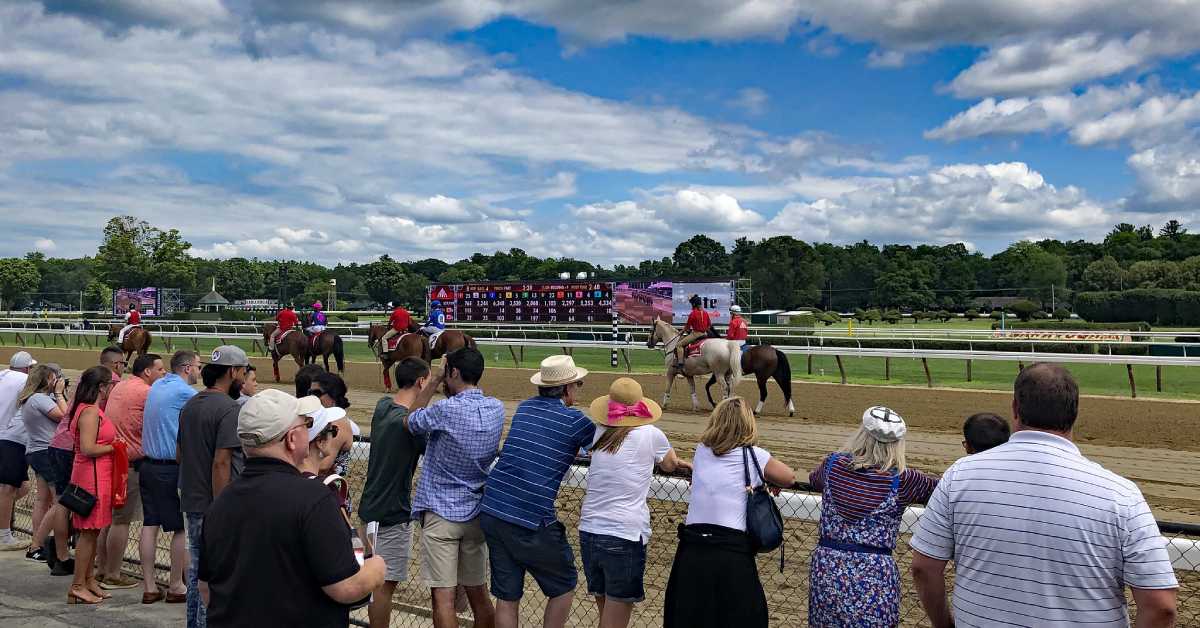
{"type": "Point", "coordinates": [400, 321]}
{"type": "Point", "coordinates": [738, 330]}
{"type": "Point", "coordinates": [133, 318]}
{"type": "Point", "coordinates": [316, 320]}
{"type": "Point", "coordinates": [436, 323]}
{"type": "Point", "coordinates": [286, 319]}
{"type": "Point", "coordinates": [698, 326]}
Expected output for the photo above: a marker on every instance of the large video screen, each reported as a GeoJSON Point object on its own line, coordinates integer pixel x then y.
{"type": "Point", "coordinates": [642, 302]}
{"type": "Point", "coordinates": [147, 300]}
{"type": "Point", "coordinates": [715, 298]}
{"type": "Point", "coordinates": [528, 302]}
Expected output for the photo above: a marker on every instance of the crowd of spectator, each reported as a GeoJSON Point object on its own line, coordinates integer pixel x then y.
{"type": "Point", "coordinates": [251, 486]}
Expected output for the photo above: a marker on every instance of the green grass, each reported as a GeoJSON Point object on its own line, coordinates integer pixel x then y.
{"type": "Point", "coordinates": [1179, 382]}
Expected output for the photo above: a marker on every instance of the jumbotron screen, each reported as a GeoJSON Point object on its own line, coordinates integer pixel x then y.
{"type": "Point", "coordinates": [528, 302]}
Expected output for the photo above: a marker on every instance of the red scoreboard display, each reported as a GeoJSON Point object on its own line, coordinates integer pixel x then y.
{"type": "Point", "coordinates": [534, 302]}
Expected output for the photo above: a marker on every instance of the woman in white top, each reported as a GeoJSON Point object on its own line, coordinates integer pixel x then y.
{"type": "Point", "coordinates": [614, 524]}
{"type": "Point", "coordinates": [714, 578]}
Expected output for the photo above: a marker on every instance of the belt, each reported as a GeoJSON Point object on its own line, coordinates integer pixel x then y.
{"type": "Point", "coordinates": [854, 547]}
{"type": "Point", "coordinates": [156, 461]}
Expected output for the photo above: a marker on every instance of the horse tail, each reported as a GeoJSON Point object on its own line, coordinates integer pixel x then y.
{"type": "Point", "coordinates": [338, 353]}
{"type": "Point", "coordinates": [783, 374]}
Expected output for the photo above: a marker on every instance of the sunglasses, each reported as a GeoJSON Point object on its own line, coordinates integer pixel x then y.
{"type": "Point", "coordinates": [331, 431]}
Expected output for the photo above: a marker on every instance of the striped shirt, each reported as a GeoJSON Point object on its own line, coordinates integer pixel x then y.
{"type": "Point", "coordinates": [462, 434]}
{"type": "Point", "coordinates": [542, 442]}
{"type": "Point", "coordinates": [1042, 536]}
{"type": "Point", "coordinates": [858, 493]}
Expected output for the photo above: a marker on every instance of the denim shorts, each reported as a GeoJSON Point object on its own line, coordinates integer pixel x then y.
{"type": "Point", "coordinates": [54, 466]}
{"type": "Point", "coordinates": [514, 550]}
{"type": "Point", "coordinates": [613, 567]}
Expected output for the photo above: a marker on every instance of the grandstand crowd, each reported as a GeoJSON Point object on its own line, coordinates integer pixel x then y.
{"type": "Point", "coordinates": [252, 488]}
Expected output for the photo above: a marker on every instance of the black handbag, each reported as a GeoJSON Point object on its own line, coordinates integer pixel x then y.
{"type": "Point", "coordinates": [764, 523]}
{"type": "Point", "coordinates": [76, 498]}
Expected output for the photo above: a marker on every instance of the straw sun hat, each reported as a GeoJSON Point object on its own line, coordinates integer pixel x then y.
{"type": "Point", "coordinates": [624, 406]}
{"type": "Point", "coordinates": [558, 370]}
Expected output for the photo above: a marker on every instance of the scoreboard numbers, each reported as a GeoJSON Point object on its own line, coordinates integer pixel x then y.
{"type": "Point", "coordinates": [542, 302]}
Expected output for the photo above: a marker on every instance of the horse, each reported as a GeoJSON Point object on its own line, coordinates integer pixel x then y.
{"type": "Point", "coordinates": [137, 340]}
{"type": "Point", "coordinates": [293, 344]}
{"type": "Point", "coordinates": [765, 362]}
{"type": "Point", "coordinates": [720, 357]}
{"type": "Point", "coordinates": [326, 343]}
{"type": "Point", "coordinates": [449, 341]}
{"type": "Point", "coordinates": [410, 345]}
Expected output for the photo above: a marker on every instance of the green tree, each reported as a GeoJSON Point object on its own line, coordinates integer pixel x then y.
{"type": "Point", "coordinates": [17, 278]}
{"type": "Point", "coordinates": [1023, 310]}
{"type": "Point", "coordinates": [240, 278]}
{"type": "Point", "coordinates": [1103, 275]}
{"type": "Point", "coordinates": [739, 258]}
{"type": "Point", "coordinates": [1155, 274]}
{"type": "Point", "coordinates": [1062, 314]}
{"type": "Point", "coordinates": [97, 296]}
{"type": "Point", "coordinates": [971, 314]}
{"type": "Point", "coordinates": [386, 280]}
{"type": "Point", "coordinates": [1032, 270]}
{"type": "Point", "coordinates": [1172, 230]}
{"type": "Point", "coordinates": [702, 256]}
{"type": "Point", "coordinates": [136, 254]}
{"type": "Point", "coordinates": [786, 272]}
{"type": "Point", "coordinates": [463, 272]}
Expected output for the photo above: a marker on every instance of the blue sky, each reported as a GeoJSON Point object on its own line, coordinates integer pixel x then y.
{"type": "Point", "coordinates": [602, 130]}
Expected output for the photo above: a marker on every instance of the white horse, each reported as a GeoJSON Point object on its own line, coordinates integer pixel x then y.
{"type": "Point", "coordinates": [722, 358]}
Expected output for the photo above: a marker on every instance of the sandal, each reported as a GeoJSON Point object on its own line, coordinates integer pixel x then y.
{"type": "Point", "coordinates": [80, 595]}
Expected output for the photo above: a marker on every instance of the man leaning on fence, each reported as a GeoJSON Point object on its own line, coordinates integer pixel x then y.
{"type": "Point", "coordinates": [519, 521]}
{"type": "Point", "coordinates": [1041, 535]}
{"type": "Point", "coordinates": [462, 435]}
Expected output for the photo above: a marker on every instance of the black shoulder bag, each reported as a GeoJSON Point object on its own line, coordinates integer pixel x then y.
{"type": "Point", "coordinates": [76, 498]}
{"type": "Point", "coordinates": [764, 523]}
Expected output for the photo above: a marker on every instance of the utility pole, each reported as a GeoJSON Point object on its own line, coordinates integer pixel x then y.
{"type": "Point", "coordinates": [1052, 304]}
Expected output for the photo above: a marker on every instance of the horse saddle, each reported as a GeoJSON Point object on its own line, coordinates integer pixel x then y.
{"type": "Point", "coordinates": [284, 334]}
{"type": "Point", "coordinates": [394, 341]}
{"type": "Point", "coordinates": [433, 338]}
{"type": "Point", "coordinates": [315, 338]}
{"type": "Point", "coordinates": [693, 349]}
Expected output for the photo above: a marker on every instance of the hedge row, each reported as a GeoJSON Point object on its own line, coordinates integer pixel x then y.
{"type": "Point", "coordinates": [1158, 306]}
{"type": "Point", "coordinates": [1075, 326]}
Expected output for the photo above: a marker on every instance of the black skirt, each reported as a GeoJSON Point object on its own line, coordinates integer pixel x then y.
{"type": "Point", "coordinates": [714, 581]}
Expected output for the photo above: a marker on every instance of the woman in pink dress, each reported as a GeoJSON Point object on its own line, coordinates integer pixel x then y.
{"type": "Point", "coordinates": [93, 472]}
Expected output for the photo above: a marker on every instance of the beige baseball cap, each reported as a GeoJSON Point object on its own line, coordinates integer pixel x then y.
{"type": "Point", "coordinates": [267, 416]}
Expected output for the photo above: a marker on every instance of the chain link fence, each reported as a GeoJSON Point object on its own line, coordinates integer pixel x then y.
{"type": "Point", "coordinates": [786, 589]}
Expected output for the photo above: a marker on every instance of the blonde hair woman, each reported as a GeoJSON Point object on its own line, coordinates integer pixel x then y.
{"type": "Point", "coordinates": [714, 552]}
{"type": "Point", "coordinates": [43, 404]}
{"type": "Point", "coordinates": [865, 488]}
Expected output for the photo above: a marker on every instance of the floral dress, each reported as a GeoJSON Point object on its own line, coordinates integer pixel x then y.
{"type": "Point", "coordinates": [854, 580]}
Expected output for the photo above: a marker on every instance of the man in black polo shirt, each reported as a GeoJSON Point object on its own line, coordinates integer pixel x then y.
{"type": "Point", "coordinates": [275, 550]}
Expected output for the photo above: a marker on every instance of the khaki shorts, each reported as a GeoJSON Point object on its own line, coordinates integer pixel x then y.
{"type": "Point", "coordinates": [452, 553]}
{"type": "Point", "coordinates": [132, 510]}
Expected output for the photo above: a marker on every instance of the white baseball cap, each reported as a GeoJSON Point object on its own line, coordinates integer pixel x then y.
{"type": "Point", "coordinates": [321, 420]}
{"type": "Point", "coordinates": [21, 360]}
{"type": "Point", "coordinates": [735, 308]}
{"type": "Point", "coordinates": [266, 417]}
{"type": "Point", "coordinates": [884, 424]}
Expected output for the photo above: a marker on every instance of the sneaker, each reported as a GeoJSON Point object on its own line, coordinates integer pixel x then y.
{"type": "Point", "coordinates": [63, 568]}
{"type": "Point", "coordinates": [12, 545]}
{"type": "Point", "coordinates": [120, 582]}
{"type": "Point", "coordinates": [37, 555]}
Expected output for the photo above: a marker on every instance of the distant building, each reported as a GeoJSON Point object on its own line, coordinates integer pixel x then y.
{"type": "Point", "coordinates": [213, 301]}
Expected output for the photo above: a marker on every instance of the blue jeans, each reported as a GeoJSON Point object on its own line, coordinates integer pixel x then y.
{"type": "Point", "coordinates": [197, 616]}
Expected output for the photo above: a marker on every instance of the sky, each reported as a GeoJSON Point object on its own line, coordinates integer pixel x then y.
{"type": "Point", "coordinates": [606, 130]}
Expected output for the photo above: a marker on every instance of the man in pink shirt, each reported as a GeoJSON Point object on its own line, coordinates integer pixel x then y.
{"type": "Point", "coordinates": [126, 403]}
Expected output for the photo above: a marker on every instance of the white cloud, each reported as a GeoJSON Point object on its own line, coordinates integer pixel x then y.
{"type": "Point", "coordinates": [704, 210]}
{"type": "Point", "coordinates": [886, 59]}
{"type": "Point", "coordinates": [752, 100]}
{"type": "Point", "coordinates": [1043, 113]}
{"type": "Point", "coordinates": [1169, 175]}
{"type": "Point", "coordinates": [1157, 117]}
{"type": "Point", "coordinates": [302, 236]}
{"type": "Point", "coordinates": [44, 245]}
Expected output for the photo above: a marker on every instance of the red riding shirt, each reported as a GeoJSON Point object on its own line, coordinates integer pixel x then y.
{"type": "Point", "coordinates": [698, 321]}
{"type": "Point", "coordinates": [401, 320]}
{"type": "Point", "coordinates": [133, 317]}
{"type": "Point", "coordinates": [286, 319]}
{"type": "Point", "coordinates": [737, 329]}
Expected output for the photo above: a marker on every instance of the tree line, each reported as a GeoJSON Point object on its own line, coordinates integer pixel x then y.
{"type": "Point", "coordinates": [786, 272]}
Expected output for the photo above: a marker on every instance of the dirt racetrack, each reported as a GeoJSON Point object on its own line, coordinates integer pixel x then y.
{"type": "Point", "coordinates": [1152, 442]}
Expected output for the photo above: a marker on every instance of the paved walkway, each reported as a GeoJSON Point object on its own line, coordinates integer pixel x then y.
{"type": "Point", "coordinates": [30, 597]}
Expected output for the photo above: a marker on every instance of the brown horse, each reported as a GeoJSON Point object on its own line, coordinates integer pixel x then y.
{"type": "Point", "coordinates": [410, 345]}
{"type": "Point", "coordinates": [293, 344]}
{"type": "Point", "coordinates": [136, 341]}
{"type": "Point", "coordinates": [765, 362]}
{"type": "Point", "coordinates": [327, 342]}
{"type": "Point", "coordinates": [449, 341]}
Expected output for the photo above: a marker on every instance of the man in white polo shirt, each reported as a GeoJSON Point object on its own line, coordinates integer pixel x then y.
{"type": "Point", "coordinates": [1040, 535]}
